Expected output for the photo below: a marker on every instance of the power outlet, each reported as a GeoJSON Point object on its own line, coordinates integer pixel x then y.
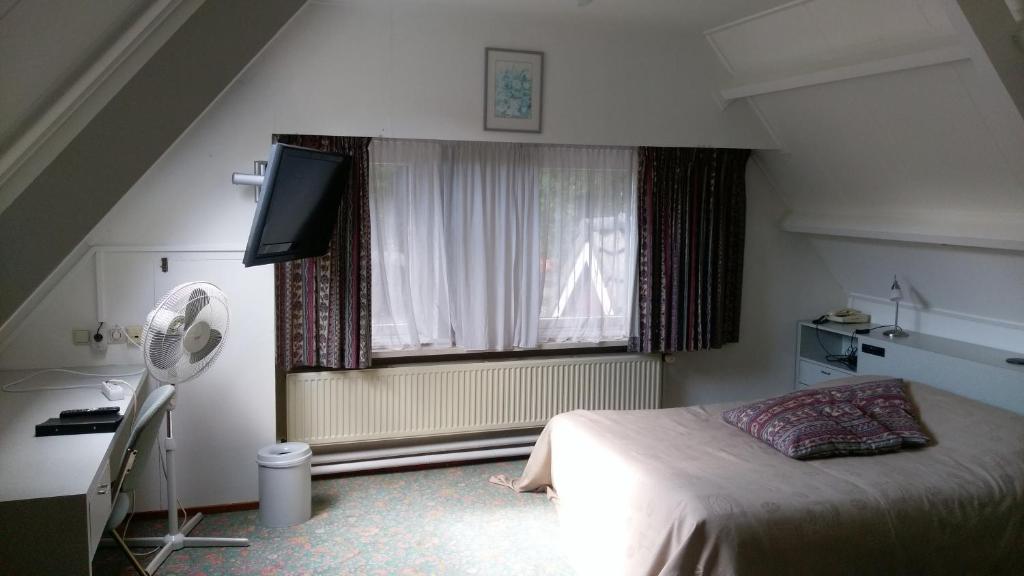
{"type": "Point", "coordinates": [99, 340]}
{"type": "Point", "coordinates": [117, 335]}
{"type": "Point", "coordinates": [134, 334]}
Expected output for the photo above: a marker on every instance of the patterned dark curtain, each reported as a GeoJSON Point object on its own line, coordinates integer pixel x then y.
{"type": "Point", "coordinates": [323, 303]}
{"type": "Point", "coordinates": [692, 215]}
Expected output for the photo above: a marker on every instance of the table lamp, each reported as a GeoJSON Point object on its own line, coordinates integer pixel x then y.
{"type": "Point", "coordinates": [895, 295]}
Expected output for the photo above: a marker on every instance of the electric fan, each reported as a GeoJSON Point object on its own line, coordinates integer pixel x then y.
{"type": "Point", "coordinates": [182, 337]}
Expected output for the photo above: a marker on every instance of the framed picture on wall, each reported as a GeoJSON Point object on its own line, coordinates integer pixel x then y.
{"type": "Point", "coordinates": [512, 91]}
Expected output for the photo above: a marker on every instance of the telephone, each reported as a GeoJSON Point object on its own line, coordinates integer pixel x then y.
{"type": "Point", "coordinates": [848, 316]}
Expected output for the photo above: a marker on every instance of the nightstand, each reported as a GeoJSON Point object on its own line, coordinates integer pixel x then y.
{"type": "Point", "coordinates": [967, 369]}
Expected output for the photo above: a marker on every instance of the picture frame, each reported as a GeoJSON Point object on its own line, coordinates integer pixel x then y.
{"type": "Point", "coordinates": [513, 90]}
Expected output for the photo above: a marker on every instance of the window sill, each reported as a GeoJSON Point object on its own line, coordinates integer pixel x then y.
{"type": "Point", "coordinates": [393, 357]}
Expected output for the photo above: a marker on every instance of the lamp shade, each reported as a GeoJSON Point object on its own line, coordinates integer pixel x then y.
{"type": "Point", "coordinates": [895, 292]}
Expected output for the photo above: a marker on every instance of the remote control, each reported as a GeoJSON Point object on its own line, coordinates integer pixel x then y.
{"type": "Point", "coordinates": [89, 412]}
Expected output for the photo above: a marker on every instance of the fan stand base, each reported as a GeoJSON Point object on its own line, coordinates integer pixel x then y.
{"type": "Point", "coordinates": [172, 542]}
{"type": "Point", "coordinates": [176, 538]}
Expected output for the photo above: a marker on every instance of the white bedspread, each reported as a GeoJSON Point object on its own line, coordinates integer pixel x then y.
{"type": "Point", "coordinates": [678, 491]}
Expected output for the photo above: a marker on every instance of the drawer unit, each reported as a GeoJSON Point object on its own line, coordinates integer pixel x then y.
{"type": "Point", "coordinates": [811, 373]}
{"type": "Point", "coordinates": [98, 505]}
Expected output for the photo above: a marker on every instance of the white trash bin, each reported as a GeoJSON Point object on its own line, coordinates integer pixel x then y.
{"type": "Point", "coordinates": [284, 484]}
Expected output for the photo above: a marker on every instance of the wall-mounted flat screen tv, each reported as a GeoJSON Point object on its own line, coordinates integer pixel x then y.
{"type": "Point", "coordinates": [298, 206]}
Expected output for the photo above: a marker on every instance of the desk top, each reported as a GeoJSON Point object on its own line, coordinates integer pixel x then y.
{"type": "Point", "coordinates": [49, 466]}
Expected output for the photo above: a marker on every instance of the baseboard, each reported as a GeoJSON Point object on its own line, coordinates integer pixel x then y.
{"type": "Point", "coordinates": [418, 467]}
{"type": "Point", "coordinates": [211, 509]}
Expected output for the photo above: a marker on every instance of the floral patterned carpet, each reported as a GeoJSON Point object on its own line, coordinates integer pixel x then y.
{"type": "Point", "coordinates": [436, 521]}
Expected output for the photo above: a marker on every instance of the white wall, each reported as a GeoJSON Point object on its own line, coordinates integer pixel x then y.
{"type": "Point", "coordinates": [223, 417]}
{"type": "Point", "coordinates": [363, 68]}
{"type": "Point", "coordinates": [784, 280]}
{"type": "Point", "coordinates": [970, 294]}
{"type": "Point", "coordinates": [359, 68]}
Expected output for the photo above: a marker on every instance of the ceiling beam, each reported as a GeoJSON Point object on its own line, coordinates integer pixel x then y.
{"type": "Point", "coordinates": [930, 57]}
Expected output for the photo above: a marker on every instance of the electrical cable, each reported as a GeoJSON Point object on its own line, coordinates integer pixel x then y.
{"type": "Point", "coordinates": [8, 386]}
{"type": "Point", "coordinates": [163, 469]}
{"type": "Point", "coordinates": [134, 389]}
{"type": "Point", "coordinates": [135, 394]}
{"type": "Point", "coordinates": [131, 513]}
{"type": "Point", "coordinates": [124, 532]}
{"type": "Point", "coordinates": [849, 359]}
{"type": "Point", "coordinates": [130, 340]}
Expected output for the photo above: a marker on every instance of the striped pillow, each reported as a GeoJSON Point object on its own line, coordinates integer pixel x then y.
{"type": "Point", "coordinates": [866, 418]}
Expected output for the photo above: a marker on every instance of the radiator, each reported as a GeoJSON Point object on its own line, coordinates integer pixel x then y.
{"type": "Point", "coordinates": [440, 399]}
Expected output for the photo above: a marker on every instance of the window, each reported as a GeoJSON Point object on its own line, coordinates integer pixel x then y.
{"type": "Point", "coordinates": [410, 296]}
{"type": "Point", "coordinates": [487, 246]}
{"type": "Point", "coordinates": [588, 247]}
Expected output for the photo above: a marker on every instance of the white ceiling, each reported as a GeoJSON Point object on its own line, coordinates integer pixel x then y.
{"type": "Point", "coordinates": [926, 149]}
{"type": "Point", "coordinates": [692, 15]}
{"type": "Point", "coordinates": [54, 40]}
{"type": "Point", "coordinates": [921, 139]}
{"type": "Point", "coordinates": [821, 33]}
{"type": "Point", "coordinates": [912, 140]}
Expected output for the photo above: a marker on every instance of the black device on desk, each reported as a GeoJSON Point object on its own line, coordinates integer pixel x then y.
{"type": "Point", "coordinates": [82, 421]}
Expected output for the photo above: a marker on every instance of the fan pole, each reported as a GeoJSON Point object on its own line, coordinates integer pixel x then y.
{"type": "Point", "coordinates": [177, 537]}
{"type": "Point", "coordinates": [172, 484]}
{"type": "Point", "coordinates": [187, 325]}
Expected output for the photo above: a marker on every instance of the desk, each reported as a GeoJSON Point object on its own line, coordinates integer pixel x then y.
{"type": "Point", "coordinates": [55, 490]}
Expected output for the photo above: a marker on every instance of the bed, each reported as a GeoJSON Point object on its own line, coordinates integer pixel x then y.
{"type": "Point", "coordinates": [679, 491]}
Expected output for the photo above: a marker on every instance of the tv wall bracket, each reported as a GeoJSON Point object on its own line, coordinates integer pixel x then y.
{"type": "Point", "coordinates": [259, 167]}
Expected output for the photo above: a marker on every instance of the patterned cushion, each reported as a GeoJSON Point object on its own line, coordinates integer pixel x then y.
{"type": "Point", "coordinates": [865, 418]}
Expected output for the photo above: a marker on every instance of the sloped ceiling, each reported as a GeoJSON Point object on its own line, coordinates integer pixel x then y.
{"type": "Point", "coordinates": [900, 144]}
{"type": "Point", "coordinates": [51, 52]}
{"type": "Point", "coordinates": [51, 216]}
{"type": "Point", "coordinates": [922, 145]}
{"type": "Point", "coordinates": [935, 148]}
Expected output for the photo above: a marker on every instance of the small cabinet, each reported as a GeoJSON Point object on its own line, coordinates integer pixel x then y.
{"type": "Point", "coordinates": [810, 373]}
{"type": "Point", "coordinates": [825, 352]}
{"type": "Point", "coordinates": [834, 350]}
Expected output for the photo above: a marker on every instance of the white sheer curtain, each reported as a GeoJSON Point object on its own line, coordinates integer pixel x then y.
{"type": "Point", "coordinates": [588, 242]}
{"type": "Point", "coordinates": [410, 292]}
{"type": "Point", "coordinates": [490, 246]}
{"type": "Point", "coordinates": [491, 232]}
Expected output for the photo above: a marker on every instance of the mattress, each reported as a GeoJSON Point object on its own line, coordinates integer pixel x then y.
{"type": "Point", "coordinates": [678, 491]}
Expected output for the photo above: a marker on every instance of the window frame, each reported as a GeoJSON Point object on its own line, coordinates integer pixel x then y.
{"type": "Point", "coordinates": [434, 352]}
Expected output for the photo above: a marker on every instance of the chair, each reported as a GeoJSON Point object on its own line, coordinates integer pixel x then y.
{"type": "Point", "coordinates": [140, 442]}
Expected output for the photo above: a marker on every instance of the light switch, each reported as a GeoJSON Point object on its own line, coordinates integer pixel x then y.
{"type": "Point", "coordinates": [80, 336]}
